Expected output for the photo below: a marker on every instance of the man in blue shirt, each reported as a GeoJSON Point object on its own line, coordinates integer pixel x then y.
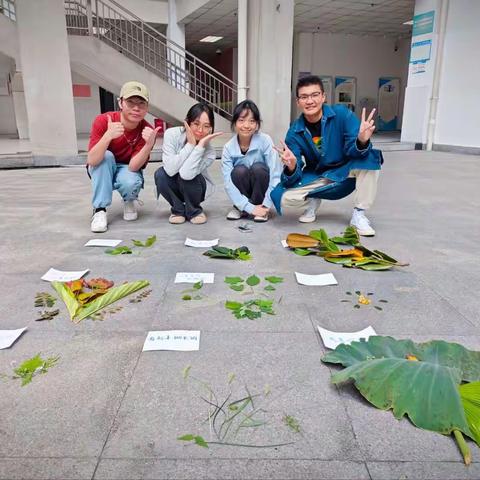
{"type": "Point", "coordinates": [327, 154]}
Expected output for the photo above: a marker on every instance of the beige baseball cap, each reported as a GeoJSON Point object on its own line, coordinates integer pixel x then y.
{"type": "Point", "coordinates": [134, 89]}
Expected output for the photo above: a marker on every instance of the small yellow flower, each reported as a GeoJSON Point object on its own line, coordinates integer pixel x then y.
{"type": "Point", "coordinates": [412, 358]}
{"type": "Point", "coordinates": [363, 300]}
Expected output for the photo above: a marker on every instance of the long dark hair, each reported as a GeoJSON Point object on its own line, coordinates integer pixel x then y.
{"type": "Point", "coordinates": [197, 109]}
{"type": "Point", "coordinates": [240, 108]}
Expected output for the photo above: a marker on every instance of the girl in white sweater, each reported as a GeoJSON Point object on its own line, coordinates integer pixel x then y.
{"type": "Point", "coordinates": [186, 154]}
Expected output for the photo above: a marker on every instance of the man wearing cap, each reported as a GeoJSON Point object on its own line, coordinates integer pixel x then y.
{"type": "Point", "coordinates": [119, 149]}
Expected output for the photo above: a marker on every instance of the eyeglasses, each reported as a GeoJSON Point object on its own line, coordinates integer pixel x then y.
{"type": "Point", "coordinates": [141, 104]}
{"type": "Point", "coordinates": [313, 96]}
{"type": "Point", "coordinates": [206, 127]}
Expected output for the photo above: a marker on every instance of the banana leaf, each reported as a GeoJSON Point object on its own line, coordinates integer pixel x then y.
{"type": "Point", "coordinates": [421, 381]}
{"type": "Point", "coordinates": [78, 312]}
{"type": "Point", "coordinates": [470, 395]}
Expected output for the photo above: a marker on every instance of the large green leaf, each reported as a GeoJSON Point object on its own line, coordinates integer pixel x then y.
{"type": "Point", "coordinates": [67, 296]}
{"type": "Point", "coordinates": [417, 380]}
{"type": "Point", "coordinates": [470, 395]}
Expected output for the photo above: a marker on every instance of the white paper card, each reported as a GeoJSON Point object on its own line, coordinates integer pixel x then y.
{"type": "Point", "coordinates": [58, 276]}
{"type": "Point", "coordinates": [189, 242]}
{"type": "Point", "coordinates": [284, 243]}
{"type": "Point", "coordinates": [316, 280]}
{"type": "Point", "coordinates": [191, 277]}
{"type": "Point", "coordinates": [7, 337]}
{"type": "Point", "coordinates": [182, 340]}
{"type": "Point", "coordinates": [102, 242]}
{"type": "Point", "coordinates": [334, 339]}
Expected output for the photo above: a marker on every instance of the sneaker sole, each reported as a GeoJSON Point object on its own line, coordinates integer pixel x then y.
{"type": "Point", "coordinates": [130, 219]}
{"type": "Point", "coordinates": [307, 220]}
{"type": "Point", "coordinates": [98, 230]}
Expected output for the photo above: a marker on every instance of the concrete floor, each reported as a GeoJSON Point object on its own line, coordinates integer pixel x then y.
{"type": "Point", "coordinates": [109, 411]}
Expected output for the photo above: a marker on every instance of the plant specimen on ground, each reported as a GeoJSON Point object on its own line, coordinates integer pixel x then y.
{"type": "Point", "coordinates": [187, 294]}
{"type": "Point", "coordinates": [240, 253]}
{"type": "Point", "coordinates": [45, 300]}
{"type": "Point", "coordinates": [85, 298]}
{"type": "Point", "coordinates": [363, 300]}
{"type": "Point", "coordinates": [238, 283]}
{"type": "Point", "coordinates": [292, 423]}
{"type": "Point", "coordinates": [148, 242]}
{"type": "Point", "coordinates": [125, 250]}
{"type": "Point", "coordinates": [318, 243]}
{"type": "Point", "coordinates": [234, 414]}
{"type": "Point", "coordinates": [141, 296]}
{"type": "Point", "coordinates": [436, 384]}
{"type": "Point", "coordinates": [32, 367]}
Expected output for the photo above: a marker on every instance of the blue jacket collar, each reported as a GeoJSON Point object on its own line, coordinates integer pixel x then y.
{"type": "Point", "coordinates": [254, 145]}
{"type": "Point", "coordinates": [327, 112]}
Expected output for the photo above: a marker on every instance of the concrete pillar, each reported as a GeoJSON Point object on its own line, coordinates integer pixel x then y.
{"type": "Point", "coordinates": [269, 68]}
{"type": "Point", "coordinates": [176, 34]}
{"type": "Point", "coordinates": [21, 117]}
{"type": "Point", "coordinates": [47, 79]}
{"type": "Point", "coordinates": [242, 49]}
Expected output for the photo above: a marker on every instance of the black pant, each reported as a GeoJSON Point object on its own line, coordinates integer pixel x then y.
{"type": "Point", "coordinates": [184, 196]}
{"type": "Point", "coordinates": [252, 182]}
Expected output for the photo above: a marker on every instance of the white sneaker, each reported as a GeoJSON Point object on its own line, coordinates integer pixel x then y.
{"type": "Point", "coordinates": [361, 223]}
{"type": "Point", "coordinates": [99, 222]}
{"type": "Point", "coordinates": [234, 214]}
{"type": "Point", "coordinates": [130, 210]}
{"type": "Point", "coordinates": [310, 213]}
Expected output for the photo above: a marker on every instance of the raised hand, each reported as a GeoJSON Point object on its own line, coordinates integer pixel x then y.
{"type": "Point", "coordinates": [190, 136]}
{"type": "Point", "coordinates": [150, 135]}
{"type": "Point", "coordinates": [114, 129]}
{"type": "Point", "coordinates": [286, 156]}
{"type": "Point", "coordinates": [203, 142]}
{"type": "Point", "coordinates": [366, 127]}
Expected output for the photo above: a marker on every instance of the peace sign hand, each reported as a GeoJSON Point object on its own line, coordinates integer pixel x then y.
{"type": "Point", "coordinates": [286, 156]}
{"type": "Point", "coordinates": [366, 127]}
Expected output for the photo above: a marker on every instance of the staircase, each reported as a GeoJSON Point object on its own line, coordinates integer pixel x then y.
{"type": "Point", "coordinates": [109, 45]}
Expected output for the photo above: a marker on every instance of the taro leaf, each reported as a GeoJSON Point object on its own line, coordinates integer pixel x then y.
{"type": "Point", "coordinates": [148, 242]}
{"type": "Point", "coordinates": [122, 250]}
{"type": "Point", "coordinates": [470, 395]}
{"type": "Point", "coordinates": [33, 366]}
{"type": "Point", "coordinates": [274, 279]}
{"type": "Point", "coordinates": [269, 288]}
{"type": "Point", "coordinates": [253, 280]}
{"type": "Point", "coordinates": [233, 280]}
{"type": "Point", "coordinates": [424, 387]}
{"type": "Point", "coordinates": [237, 287]}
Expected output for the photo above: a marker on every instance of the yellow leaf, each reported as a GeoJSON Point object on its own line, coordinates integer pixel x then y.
{"type": "Point", "coordinates": [298, 240]}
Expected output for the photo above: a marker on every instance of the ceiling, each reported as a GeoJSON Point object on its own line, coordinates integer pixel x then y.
{"type": "Point", "coordinates": [355, 17]}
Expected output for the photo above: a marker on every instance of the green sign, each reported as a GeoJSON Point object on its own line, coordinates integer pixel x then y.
{"type": "Point", "coordinates": [423, 23]}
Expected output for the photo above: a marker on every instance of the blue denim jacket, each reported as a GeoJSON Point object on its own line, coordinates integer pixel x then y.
{"type": "Point", "coordinates": [338, 156]}
{"type": "Point", "coordinates": [261, 150]}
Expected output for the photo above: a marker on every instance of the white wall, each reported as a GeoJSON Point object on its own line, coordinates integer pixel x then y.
{"type": "Point", "coordinates": [458, 116]}
{"type": "Point", "coordinates": [366, 58]}
{"type": "Point", "coordinates": [86, 108]}
{"type": "Point", "coordinates": [7, 111]}
{"type": "Point", "coordinates": [154, 11]}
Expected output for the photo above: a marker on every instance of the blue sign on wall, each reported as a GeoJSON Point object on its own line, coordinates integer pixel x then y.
{"type": "Point", "coordinates": [423, 23]}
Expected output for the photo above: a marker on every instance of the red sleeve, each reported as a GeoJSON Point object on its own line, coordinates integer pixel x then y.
{"type": "Point", "coordinates": [99, 127]}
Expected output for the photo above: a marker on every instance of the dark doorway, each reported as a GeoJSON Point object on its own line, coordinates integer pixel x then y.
{"type": "Point", "coordinates": [107, 101]}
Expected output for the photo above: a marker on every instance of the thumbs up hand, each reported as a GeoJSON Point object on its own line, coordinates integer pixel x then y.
{"type": "Point", "coordinates": [150, 135]}
{"type": "Point", "coordinates": [114, 129]}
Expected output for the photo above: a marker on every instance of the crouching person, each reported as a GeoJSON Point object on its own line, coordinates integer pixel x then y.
{"type": "Point", "coordinates": [250, 165]}
{"type": "Point", "coordinates": [187, 154]}
{"type": "Point", "coordinates": [119, 148]}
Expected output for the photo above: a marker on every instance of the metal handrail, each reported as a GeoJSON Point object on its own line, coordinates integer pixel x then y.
{"type": "Point", "coordinates": [7, 8]}
{"type": "Point", "coordinates": [127, 33]}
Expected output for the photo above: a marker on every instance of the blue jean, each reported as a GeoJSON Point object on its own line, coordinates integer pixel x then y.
{"type": "Point", "coordinates": [108, 176]}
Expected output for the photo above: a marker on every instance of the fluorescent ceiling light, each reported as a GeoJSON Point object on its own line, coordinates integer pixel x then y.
{"type": "Point", "coordinates": [410, 22]}
{"type": "Point", "coordinates": [211, 39]}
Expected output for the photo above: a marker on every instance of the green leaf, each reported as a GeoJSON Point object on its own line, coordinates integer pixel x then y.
{"type": "Point", "coordinates": [358, 292]}
{"type": "Point", "coordinates": [274, 279]}
{"type": "Point", "coordinates": [383, 301]}
{"type": "Point", "coordinates": [122, 250]}
{"type": "Point", "coordinates": [237, 288]}
{"type": "Point", "coordinates": [187, 297]}
{"type": "Point", "coordinates": [148, 242]}
{"type": "Point", "coordinates": [198, 285]}
{"type": "Point", "coordinates": [244, 256]}
{"type": "Point", "coordinates": [470, 396]}
{"type": "Point", "coordinates": [269, 288]}
{"type": "Point", "coordinates": [348, 293]}
{"type": "Point", "coordinates": [186, 438]}
{"type": "Point", "coordinates": [231, 378]}
{"type": "Point", "coordinates": [292, 423]}
{"type": "Point", "coordinates": [200, 442]}
{"type": "Point", "coordinates": [233, 280]}
{"type": "Point", "coordinates": [303, 251]}
{"type": "Point", "coordinates": [356, 305]}
{"type": "Point", "coordinates": [418, 380]}
{"type": "Point", "coordinates": [186, 372]}
{"type": "Point", "coordinates": [377, 308]}
{"type": "Point", "coordinates": [33, 366]}
{"type": "Point", "coordinates": [253, 280]}
{"type": "Point", "coordinates": [233, 305]}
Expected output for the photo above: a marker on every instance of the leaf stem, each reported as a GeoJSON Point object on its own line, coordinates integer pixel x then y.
{"type": "Point", "coordinates": [462, 445]}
